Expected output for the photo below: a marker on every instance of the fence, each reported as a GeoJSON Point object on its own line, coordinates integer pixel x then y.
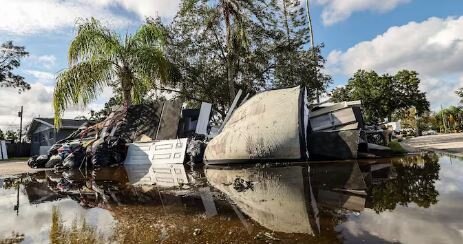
{"type": "Point", "coordinates": [18, 149]}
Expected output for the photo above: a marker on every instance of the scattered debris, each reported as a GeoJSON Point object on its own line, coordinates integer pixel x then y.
{"type": "Point", "coordinates": [241, 185]}
{"type": "Point", "coordinates": [266, 237]}
{"type": "Point", "coordinates": [197, 232]}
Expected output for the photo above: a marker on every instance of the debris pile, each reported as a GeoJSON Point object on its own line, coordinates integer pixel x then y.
{"type": "Point", "coordinates": [106, 143]}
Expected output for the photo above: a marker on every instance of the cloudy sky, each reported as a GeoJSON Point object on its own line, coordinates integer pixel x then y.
{"type": "Point", "coordinates": [385, 35]}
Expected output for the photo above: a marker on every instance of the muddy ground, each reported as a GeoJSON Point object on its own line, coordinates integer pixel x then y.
{"type": "Point", "coordinates": [14, 167]}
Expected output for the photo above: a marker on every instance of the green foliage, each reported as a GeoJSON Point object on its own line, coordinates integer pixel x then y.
{"type": "Point", "coordinates": [449, 119]}
{"type": "Point", "coordinates": [99, 57]}
{"type": "Point", "coordinates": [10, 59]}
{"type": "Point", "coordinates": [382, 95]}
{"type": "Point", "coordinates": [295, 65]}
{"type": "Point", "coordinates": [11, 135]}
{"type": "Point", "coordinates": [2, 136]}
{"type": "Point", "coordinates": [263, 53]}
{"type": "Point", "coordinates": [396, 147]}
{"type": "Point", "coordinates": [340, 94]}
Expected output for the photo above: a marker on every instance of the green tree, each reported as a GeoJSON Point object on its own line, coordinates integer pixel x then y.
{"type": "Point", "coordinates": [10, 59]}
{"type": "Point", "coordinates": [340, 94]}
{"type": "Point", "coordinates": [201, 51]}
{"type": "Point", "coordinates": [294, 63]}
{"type": "Point", "coordinates": [261, 60]}
{"type": "Point", "coordinates": [382, 95]}
{"type": "Point", "coordinates": [99, 57]}
{"type": "Point", "coordinates": [2, 136]}
{"type": "Point", "coordinates": [235, 16]}
{"type": "Point", "coordinates": [11, 135]}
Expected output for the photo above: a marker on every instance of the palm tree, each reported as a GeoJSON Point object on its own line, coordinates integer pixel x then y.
{"type": "Point", "coordinates": [235, 14]}
{"type": "Point", "coordinates": [99, 57]}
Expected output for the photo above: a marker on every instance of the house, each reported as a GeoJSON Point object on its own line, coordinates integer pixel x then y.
{"type": "Point", "coordinates": [43, 135]}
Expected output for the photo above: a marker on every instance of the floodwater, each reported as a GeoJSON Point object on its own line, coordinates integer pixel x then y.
{"type": "Point", "coordinates": [414, 199]}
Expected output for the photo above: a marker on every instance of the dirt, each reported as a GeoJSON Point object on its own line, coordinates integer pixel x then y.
{"type": "Point", "coordinates": [14, 167]}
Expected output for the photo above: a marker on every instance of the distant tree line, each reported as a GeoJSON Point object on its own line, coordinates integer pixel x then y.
{"type": "Point", "coordinates": [382, 96]}
{"type": "Point", "coordinates": [9, 135]}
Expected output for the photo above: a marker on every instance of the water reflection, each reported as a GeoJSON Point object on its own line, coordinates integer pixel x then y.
{"type": "Point", "coordinates": [323, 202]}
{"type": "Point", "coordinates": [277, 198]}
{"type": "Point", "coordinates": [406, 180]}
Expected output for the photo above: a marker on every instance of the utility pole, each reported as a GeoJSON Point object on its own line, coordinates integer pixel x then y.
{"type": "Point", "coordinates": [20, 114]}
{"type": "Point", "coordinates": [443, 120]}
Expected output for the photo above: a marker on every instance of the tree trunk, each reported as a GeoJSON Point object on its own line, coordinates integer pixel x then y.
{"type": "Point", "coordinates": [230, 71]}
{"type": "Point", "coordinates": [127, 85]}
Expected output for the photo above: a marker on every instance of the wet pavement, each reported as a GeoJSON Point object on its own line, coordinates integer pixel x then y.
{"type": "Point", "coordinates": [414, 199]}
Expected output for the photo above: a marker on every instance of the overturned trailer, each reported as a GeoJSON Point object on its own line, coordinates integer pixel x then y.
{"type": "Point", "coordinates": [269, 126]}
{"type": "Point", "coordinates": [280, 125]}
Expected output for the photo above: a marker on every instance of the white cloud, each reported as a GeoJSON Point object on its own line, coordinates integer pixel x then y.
{"type": "Point", "coordinates": [144, 8]}
{"type": "Point", "coordinates": [35, 16]}
{"type": "Point", "coordinates": [38, 102]}
{"type": "Point", "coordinates": [337, 10]}
{"type": "Point", "coordinates": [42, 76]}
{"type": "Point", "coordinates": [46, 61]}
{"type": "Point", "coordinates": [434, 48]}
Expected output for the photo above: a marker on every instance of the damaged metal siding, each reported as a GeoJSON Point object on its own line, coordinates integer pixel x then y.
{"type": "Point", "coordinates": [267, 126]}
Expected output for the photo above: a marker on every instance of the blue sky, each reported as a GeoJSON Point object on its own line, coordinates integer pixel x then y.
{"type": "Point", "coordinates": [385, 36]}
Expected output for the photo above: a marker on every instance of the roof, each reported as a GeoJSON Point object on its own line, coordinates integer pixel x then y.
{"type": "Point", "coordinates": [65, 123]}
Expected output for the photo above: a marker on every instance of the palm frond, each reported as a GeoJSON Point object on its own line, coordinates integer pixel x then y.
{"type": "Point", "coordinates": [152, 34]}
{"type": "Point", "coordinates": [150, 63]}
{"type": "Point", "coordinates": [93, 40]}
{"type": "Point", "coordinates": [142, 87]}
{"type": "Point", "coordinates": [80, 84]}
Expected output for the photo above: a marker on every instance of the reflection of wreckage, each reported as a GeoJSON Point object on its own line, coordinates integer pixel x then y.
{"type": "Point", "coordinates": [277, 125]}
{"type": "Point", "coordinates": [283, 198]}
{"type": "Point", "coordinates": [277, 198]}
{"type": "Point", "coordinates": [282, 125]}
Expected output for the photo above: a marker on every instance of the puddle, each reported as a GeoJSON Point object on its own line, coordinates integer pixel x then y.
{"type": "Point", "coordinates": [415, 199]}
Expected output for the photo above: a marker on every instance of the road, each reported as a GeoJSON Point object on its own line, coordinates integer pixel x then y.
{"type": "Point", "coordinates": [14, 167]}
{"type": "Point", "coordinates": [448, 143]}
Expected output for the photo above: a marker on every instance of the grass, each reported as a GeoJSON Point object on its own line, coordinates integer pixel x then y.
{"type": "Point", "coordinates": [396, 147]}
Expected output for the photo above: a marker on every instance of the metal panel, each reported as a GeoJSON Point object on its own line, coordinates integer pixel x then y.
{"type": "Point", "coordinates": [325, 108]}
{"type": "Point", "coordinates": [4, 153]}
{"type": "Point", "coordinates": [203, 120]}
{"type": "Point", "coordinates": [170, 116]}
{"type": "Point", "coordinates": [265, 127]}
{"type": "Point", "coordinates": [333, 119]}
{"type": "Point", "coordinates": [231, 110]}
